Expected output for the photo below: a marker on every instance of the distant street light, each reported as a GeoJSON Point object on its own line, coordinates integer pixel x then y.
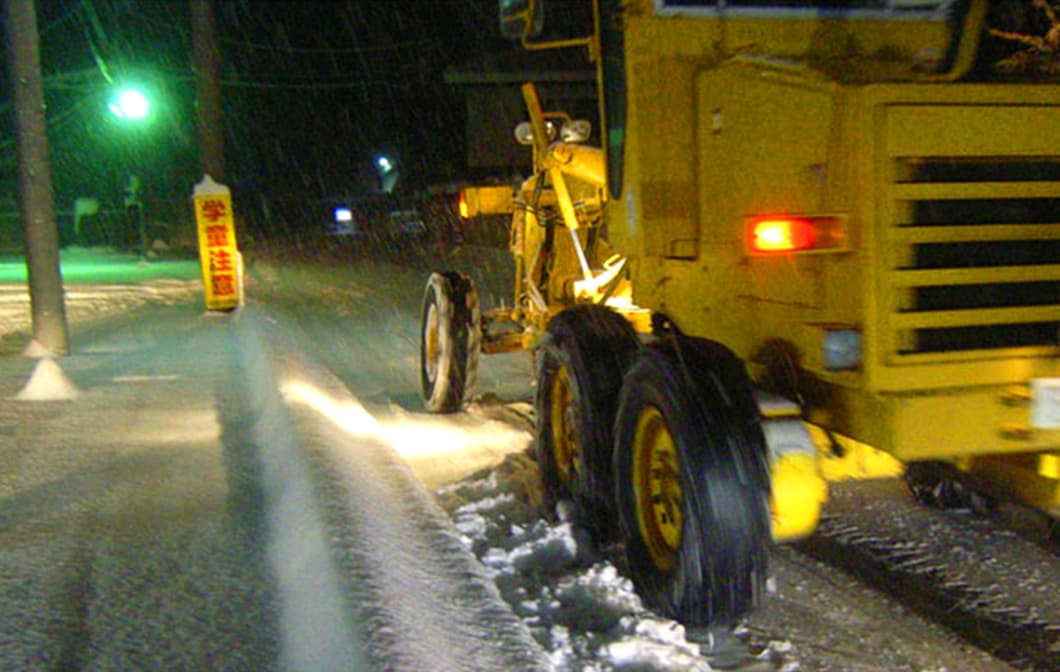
{"type": "Point", "coordinates": [388, 173]}
{"type": "Point", "coordinates": [130, 105]}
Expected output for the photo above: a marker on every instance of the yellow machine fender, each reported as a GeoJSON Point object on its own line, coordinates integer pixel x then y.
{"type": "Point", "coordinates": [798, 491]}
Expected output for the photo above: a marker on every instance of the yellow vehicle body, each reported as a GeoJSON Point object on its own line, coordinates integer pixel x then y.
{"type": "Point", "coordinates": [728, 119]}
{"type": "Point", "coordinates": [556, 268]}
{"type": "Point", "coordinates": [855, 120]}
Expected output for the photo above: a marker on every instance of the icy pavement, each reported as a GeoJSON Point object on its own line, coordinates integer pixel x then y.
{"type": "Point", "coordinates": [131, 524]}
{"type": "Point", "coordinates": [228, 494]}
{"type": "Point", "coordinates": [181, 514]}
{"type": "Point", "coordinates": [420, 599]}
{"type": "Point", "coordinates": [979, 574]}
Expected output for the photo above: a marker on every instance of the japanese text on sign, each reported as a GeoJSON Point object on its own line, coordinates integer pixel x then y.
{"type": "Point", "coordinates": [217, 245]}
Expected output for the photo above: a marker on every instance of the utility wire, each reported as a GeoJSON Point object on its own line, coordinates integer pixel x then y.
{"type": "Point", "coordinates": [94, 25]}
{"type": "Point", "coordinates": [319, 86]}
{"type": "Point", "coordinates": [397, 46]}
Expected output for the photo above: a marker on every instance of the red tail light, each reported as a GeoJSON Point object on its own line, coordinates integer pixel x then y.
{"type": "Point", "coordinates": [795, 234]}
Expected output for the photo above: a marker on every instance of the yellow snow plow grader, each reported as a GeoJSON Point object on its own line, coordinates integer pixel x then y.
{"type": "Point", "coordinates": [818, 240]}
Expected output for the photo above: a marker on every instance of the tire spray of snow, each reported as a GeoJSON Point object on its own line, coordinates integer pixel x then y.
{"type": "Point", "coordinates": [412, 595]}
{"type": "Point", "coordinates": [318, 633]}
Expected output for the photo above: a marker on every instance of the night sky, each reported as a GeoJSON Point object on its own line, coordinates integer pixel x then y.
{"type": "Point", "coordinates": [312, 91]}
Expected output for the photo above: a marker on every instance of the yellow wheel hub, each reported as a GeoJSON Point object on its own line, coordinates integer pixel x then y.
{"type": "Point", "coordinates": [564, 435]}
{"type": "Point", "coordinates": [430, 342]}
{"type": "Point", "coordinates": [657, 487]}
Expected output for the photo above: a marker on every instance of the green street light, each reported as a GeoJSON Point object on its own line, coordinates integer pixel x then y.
{"type": "Point", "coordinates": [130, 105]}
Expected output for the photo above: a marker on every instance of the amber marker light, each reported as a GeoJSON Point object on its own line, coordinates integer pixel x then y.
{"type": "Point", "coordinates": [462, 206]}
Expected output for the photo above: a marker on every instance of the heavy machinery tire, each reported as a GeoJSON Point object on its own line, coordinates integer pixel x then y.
{"type": "Point", "coordinates": [580, 364]}
{"type": "Point", "coordinates": [450, 341]}
{"type": "Point", "coordinates": [692, 482]}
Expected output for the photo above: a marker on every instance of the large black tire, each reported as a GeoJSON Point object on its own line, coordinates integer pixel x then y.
{"type": "Point", "coordinates": [450, 341]}
{"type": "Point", "coordinates": [692, 482]}
{"type": "Point", "coordinates": [580, 364]}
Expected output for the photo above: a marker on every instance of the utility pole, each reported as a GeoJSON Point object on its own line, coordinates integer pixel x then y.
{"type": "Point", "coordinates": [37, 198]}
{"type": "Point", "coordinates": [208, 89]}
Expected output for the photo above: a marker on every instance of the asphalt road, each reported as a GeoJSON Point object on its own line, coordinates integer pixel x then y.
{"type": "Point", "coordinates": [193, 508]}
{"type": "Point", "coordinates": [132, 530]}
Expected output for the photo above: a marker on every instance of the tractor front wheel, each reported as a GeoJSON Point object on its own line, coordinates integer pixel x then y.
{"type": "Point", "coordinates": [451, 335]}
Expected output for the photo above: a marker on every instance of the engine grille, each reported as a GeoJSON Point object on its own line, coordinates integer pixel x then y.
{"type": "Point", "coordinates": [974, 257]}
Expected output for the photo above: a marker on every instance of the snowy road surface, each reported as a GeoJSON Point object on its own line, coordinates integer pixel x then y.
{"type": "Point", "coordinates": [132, 533]}
{"type": "Point", "coordinates": [181, 514]}
{"type": "Point", "coordinates": [229, 494]}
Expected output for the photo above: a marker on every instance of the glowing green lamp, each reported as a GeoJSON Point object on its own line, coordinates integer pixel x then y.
{"type": "Point", "coordinates": [130, 105]}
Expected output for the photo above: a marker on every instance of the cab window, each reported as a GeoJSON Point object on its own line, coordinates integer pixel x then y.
{"type": "Point", "coordinates": [787, 7]}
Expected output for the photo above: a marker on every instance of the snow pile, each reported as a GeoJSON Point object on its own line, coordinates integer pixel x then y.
{"type": "Point", "coordinates": [575, 600]}
{"type": "Point", "coordinates": [317, 630]}
{"type": "Point", "coordinates": [412, 596]}
{"type": "Point", "coordinates": [48, 383]}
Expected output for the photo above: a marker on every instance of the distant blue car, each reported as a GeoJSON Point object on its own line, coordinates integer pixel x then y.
{"type": "Point", "coordinates": [343, 222]}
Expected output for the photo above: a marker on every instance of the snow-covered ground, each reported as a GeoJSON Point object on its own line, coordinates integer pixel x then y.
{"type": "Point", "coordinates": [194, 506]}
{"type": "Point", "coordinates": [99, 283]}
{"type": "Point", "coordinates": [362, 557]}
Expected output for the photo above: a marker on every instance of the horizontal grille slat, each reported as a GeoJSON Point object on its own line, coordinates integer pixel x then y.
{"type": "Point", "coordinates": [976, 276]}
{"type": "Point", "coordinates": [972, 233]}
{"type": "Point", "coordinates": [976, 317]}
{"type": "Point", "coordinates": [974, 247]}
{"type": "Point", "coordinates": [924, 191]}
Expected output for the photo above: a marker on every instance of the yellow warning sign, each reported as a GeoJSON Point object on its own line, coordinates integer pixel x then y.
{"type": "Point", "coordinates": [222, 266]}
